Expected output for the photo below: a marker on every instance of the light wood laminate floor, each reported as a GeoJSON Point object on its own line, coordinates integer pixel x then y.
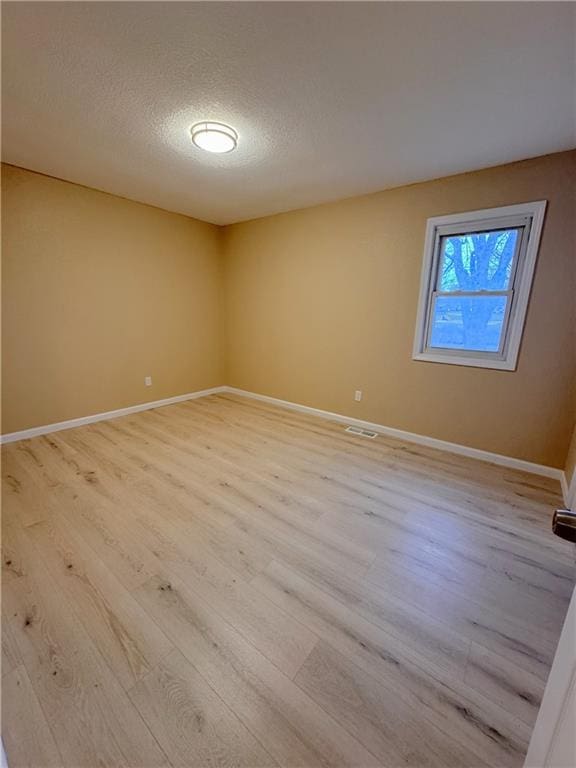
{"type": "Point", "coordinates": [226, 583]}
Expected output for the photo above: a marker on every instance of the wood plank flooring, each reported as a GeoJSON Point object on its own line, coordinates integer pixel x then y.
{"type": "Point", "coordinates": [225, 583]}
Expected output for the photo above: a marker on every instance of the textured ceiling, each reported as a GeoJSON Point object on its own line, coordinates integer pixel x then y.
{"type": "Point", "coordinates": [330, 99]}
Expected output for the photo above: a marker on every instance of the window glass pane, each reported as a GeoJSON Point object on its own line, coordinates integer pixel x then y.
{"type": "Point", "coordinates": [468, 322]}
{"type": "Point", "coordinates": [479, 261]}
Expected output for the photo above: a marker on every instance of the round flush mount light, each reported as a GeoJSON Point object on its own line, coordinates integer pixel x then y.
{"type": "Point", "coordinates": [214, 137]}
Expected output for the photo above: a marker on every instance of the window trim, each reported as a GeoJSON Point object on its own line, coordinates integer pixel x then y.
{"type": "Point", "coordinates": [506, 359]}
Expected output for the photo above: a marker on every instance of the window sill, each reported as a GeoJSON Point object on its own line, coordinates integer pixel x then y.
{"type": "Point", "coordinates": [473, 362]}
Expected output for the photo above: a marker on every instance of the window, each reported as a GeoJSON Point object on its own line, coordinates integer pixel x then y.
{"type": "Point", "coordinates": [476, 281]}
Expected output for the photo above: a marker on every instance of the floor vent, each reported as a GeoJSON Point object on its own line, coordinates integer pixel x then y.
{"type": "Point", "coordinates": [363, 432]}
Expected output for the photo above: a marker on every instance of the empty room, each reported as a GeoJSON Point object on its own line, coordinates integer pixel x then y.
{"type": "Point", "coordinates": [288, 384]}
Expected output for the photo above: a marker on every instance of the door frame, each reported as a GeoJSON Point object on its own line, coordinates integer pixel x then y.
{"type": "Point", "coordinates": [553, 742]}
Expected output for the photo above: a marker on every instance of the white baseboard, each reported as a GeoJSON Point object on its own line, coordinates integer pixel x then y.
{"type": "Point", "coordinates": [413, 437]}
{"type": "Point", "coordinates": [400, 434]}
{"type": "Point", "coordinates": [25, 434]}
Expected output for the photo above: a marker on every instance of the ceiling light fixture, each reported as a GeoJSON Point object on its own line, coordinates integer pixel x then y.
{"type": "Point", "coordinates": [214, 137]}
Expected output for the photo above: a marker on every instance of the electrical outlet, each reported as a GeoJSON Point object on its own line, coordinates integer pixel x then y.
{"type": "Point", "coordinates": [358, 395]}
{"type": "Point", "coordinates": [148, 381]}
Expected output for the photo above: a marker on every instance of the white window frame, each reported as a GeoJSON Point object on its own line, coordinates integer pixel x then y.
{"type": "Point", "coordinates": [529, 216]}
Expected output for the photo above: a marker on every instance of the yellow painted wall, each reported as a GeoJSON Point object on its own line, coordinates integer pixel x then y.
{"type": "Point", "coordinates": [307, 306]}
{"type": "Point", "coordinates": [99, 292]}
{"type": "Point", "coordinates": [322, 301]}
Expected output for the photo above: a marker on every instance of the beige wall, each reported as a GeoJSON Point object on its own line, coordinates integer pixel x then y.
{"type": "Point", "coordinates": [99, 292]}
{"type": "Point", "coordinates": [322, 301]}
